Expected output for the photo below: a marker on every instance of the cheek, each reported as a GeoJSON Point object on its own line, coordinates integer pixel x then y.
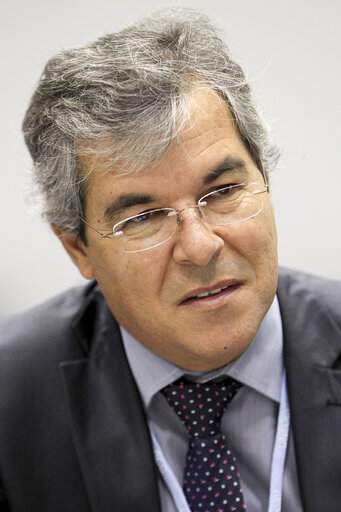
{"type": "Point", "coordinates": [250, 241]}
{"type": "Point", "coordinates": [127, 279]}
{"type": "Point", "coordinates": [264, 237]}
{"type": "Point", "coordinates": [263, 258]}
{"type": "Point", "coordinates": [256, 242]}
{"type": "Point", "coordinates": [109, 267]}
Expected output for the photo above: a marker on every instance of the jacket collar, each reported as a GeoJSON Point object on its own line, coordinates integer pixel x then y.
{"type": "Point", "coordinates": [312, 348]}
{"type": "Point", "coordinates": [107, 418]}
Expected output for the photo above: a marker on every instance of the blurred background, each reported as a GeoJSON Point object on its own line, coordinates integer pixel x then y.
{"type": "Point", "coordinates": [291, 54]}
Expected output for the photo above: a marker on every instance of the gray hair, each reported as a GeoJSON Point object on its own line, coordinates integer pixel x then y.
{"type": "Point", "coordinates": [125, 97]}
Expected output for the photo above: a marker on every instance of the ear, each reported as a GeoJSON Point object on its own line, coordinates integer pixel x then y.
{"type": "Point", "coordinates": [76, 250]}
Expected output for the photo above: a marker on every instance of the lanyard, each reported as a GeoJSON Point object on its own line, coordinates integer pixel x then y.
{"type": "Point", "coordinates": [168, 476]}
{"type": "Point", "coordinates": [277, 464]}
{"type": "Point", "coordinates": [280, 450]}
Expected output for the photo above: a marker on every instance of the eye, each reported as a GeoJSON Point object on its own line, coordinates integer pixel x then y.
{"type": "Point", "coordinates": [224, 190]}
{"type": "Point", "coordinates": [145, 222]}
{"type": "Point", "coordinates": [139, 219]}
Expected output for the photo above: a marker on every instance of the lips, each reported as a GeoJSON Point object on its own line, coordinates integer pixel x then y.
{"type": "Point", "coordinates": [201, 294]}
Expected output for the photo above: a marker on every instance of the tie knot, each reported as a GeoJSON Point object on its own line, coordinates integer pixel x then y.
{"type": "Point", "coordinates": [200, 407]}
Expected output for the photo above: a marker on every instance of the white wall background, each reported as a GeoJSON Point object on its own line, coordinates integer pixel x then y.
{"type": "Point", "coordinates": [291, 52]}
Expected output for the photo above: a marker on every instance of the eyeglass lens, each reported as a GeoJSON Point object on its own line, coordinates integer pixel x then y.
{"type": "Point", "coordinates": [224, 206]}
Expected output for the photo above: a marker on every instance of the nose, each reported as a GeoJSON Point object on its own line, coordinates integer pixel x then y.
{"type": "Point", "coordinates": [196, 241]}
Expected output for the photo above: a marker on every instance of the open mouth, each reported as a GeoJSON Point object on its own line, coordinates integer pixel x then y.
{"type": "Point", "coordinates": [209, 296]}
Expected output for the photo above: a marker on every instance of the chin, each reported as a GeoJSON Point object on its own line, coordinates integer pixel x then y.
{"type": "Point", "coordinates": [214, 354]}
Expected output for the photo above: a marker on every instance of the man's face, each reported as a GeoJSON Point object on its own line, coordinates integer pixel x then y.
{"type": "Point", "coordinates": [148, 291]}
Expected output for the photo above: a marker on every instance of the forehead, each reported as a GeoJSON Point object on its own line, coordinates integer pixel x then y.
{"type": "Point", "coordinates": [207, 139]}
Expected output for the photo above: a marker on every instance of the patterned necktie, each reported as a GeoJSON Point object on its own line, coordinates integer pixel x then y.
{"type": "Point", "coordinates": [211, 479]}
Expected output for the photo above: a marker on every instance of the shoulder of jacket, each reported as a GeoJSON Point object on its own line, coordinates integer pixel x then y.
{"type": "Point", "coordinates": [314, 291]}
{"type": "Point", "coordinates": [51, 320]}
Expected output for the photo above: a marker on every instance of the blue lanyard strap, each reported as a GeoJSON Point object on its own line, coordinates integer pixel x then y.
{"type": "Point", "coordinates": [168, 476]}
{"type": "Point", "coordinates": [277, 464]}
{"type": "Point", "coordinates": [280, 450]}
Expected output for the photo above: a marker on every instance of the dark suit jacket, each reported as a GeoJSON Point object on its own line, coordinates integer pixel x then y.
{"type": "Point", "coordinates": [73, 436]}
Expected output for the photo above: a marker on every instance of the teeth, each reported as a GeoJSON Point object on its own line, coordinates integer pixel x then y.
{"type": "Point", "coordinates": [213, 292]}
{"type": "Point", "coordinates": [205, 294]}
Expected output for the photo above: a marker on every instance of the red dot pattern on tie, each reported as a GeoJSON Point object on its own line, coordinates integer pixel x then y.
{"type": "Point", "coordinates": [211, 479]}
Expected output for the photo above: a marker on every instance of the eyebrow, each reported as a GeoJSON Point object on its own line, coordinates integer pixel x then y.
{"type": "Point", "coordinates": [126, 201]}
{"type": "Point", "coordinates": [227, 165]}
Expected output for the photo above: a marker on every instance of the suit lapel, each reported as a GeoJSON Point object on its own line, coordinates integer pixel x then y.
{"type": "Point", "coordinates": [311, 350]}
{"type": "Point", "coordinates": [108, 425]}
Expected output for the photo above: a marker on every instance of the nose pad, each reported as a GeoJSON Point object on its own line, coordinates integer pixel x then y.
{"type": "Point", "coordinates": [200, 213]}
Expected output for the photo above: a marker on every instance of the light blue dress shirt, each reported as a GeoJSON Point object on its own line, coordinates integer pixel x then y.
{"type": "Point", "coordinates": [249, 422]}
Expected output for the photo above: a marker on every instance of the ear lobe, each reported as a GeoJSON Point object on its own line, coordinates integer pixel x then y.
{"type": "Point", "coordinates": [76, 250]}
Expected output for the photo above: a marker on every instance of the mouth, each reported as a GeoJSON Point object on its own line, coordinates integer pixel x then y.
{"type": "Point", "coordinates": [212, 295]}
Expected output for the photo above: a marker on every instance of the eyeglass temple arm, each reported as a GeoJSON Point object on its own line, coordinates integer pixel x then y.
{"type": "Point", "coordinates": [261, 191]}
{"type": "Point", "coordinates": [103, 235]}
{"type": "Point", "coordinates": [265, 178]}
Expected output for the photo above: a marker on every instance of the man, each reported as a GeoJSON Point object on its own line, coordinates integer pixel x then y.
{"type": "Point", "coordinates": [152, 166]}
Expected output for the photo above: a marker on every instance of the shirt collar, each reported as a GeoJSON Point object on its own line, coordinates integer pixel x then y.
{"type": "Point", "coordinates": [259, 367]}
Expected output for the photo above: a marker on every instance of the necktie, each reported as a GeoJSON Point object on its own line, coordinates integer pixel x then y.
{"type": "Point", "coordinates": [211, 479]}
